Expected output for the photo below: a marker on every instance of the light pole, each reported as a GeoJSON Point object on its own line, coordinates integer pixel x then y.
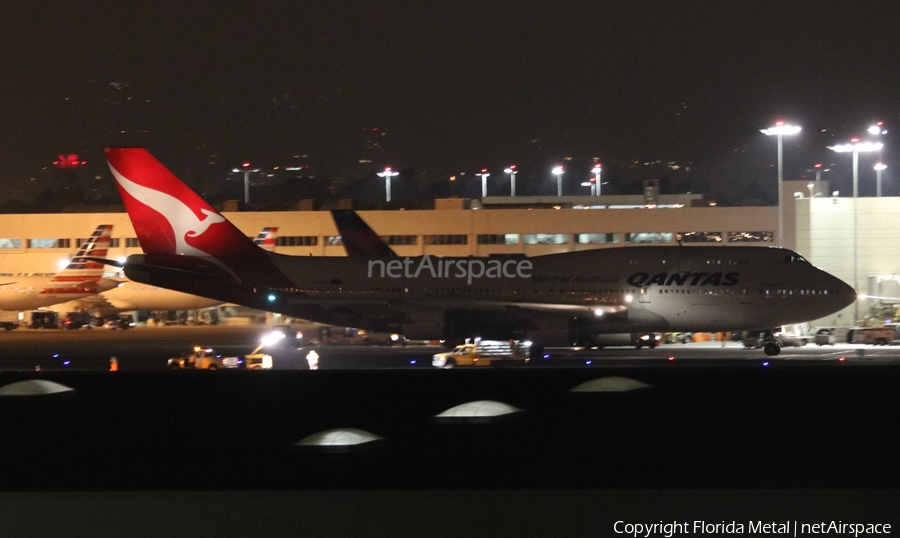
{"type": "Point", "coordinates": [879, 166]}
{"type": "Point", "coordinates": [596, 171]}
{"type": "Point", "coordinates": [512, 179]}
{"type": "Point", "coordinates": [856, 147]}
{"type": "Point", "coordinates": [246, 170]}
{"type": "Point", "coordinates": [779, 130]}
{"type": "Point", "coordinates": [484, 175]}
{"type": "Point", "coordinates": [558, 172]}
{"type": "Point", "coordinates": [817, 168]}
{"type": "Point", "coordinates": [387, 175]}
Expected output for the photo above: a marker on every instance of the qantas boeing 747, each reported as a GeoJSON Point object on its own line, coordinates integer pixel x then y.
{"type": "Point", "coordinates": [555, 299]}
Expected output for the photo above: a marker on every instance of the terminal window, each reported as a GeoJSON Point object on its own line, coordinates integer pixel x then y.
{"type": "Point", "coordinates": [297, 241]}
{"type": "Point", "coordinates": [400, 239]}
{"type": "Point", "coordinates": [334, 240]}
{"type": "Point", "coordinates": [740, 237]}
{"type": "Point", "coordinates": [47, 242]}
{"type": "Point", "coordinates": [10, 243]}
{"type": "Point", "coordinates": [546, 239]}
{"type": "Point", "coordinates": [596, 239]}
{"type": "Point", "coordinates": [699, 237]}
{"type": "Point", "coordinates": [650, 237]}
{"type": "Point", "coordinates": [498, 239]}
{"type": "Point", "coordinates": [446, 239]}
{"type": "Point", "coordinates": [132, 242]}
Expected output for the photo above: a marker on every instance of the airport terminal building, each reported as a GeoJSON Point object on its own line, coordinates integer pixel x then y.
{"type": "Point", "coordinates": [821, 228]}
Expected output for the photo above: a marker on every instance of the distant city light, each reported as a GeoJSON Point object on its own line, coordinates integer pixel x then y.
{"type": "Point", "coordinates": [69, 161]}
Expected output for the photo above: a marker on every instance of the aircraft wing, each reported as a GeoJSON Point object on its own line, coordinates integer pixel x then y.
{"type": "Point", "coordinates": [533, 316]}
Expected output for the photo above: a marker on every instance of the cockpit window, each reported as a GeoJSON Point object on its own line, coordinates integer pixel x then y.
{"type": "Point", "coordinates": [794, 258]}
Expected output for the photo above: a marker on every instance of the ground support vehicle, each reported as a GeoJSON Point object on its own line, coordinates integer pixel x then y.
{"type": "Point", "coordinates": [763, 339]}
{"type": "Point", "coordinates": [638, 340]}
{"type": "Point", "coordinates": [42, 319]}
{"type": "Point", "coordinates": [879, 336]}
{"type": "Point", "coordinates": [9, 320]}
{"type": "Point", "coordinates": [483, 353]}
{"type": "Point", "coordinates": [201, 358]}
{"type": "Point", "coordinates": [679, 338]}
{"type": "Point", "coordinates": [824, 337]}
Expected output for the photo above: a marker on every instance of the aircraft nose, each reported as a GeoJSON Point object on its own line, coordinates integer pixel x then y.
{"type": "Point", "coordinates": [845, 295]}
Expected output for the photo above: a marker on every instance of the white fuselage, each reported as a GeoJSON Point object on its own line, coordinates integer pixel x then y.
{"type": "Point", "coordinates": [33, 292]}
{"type": "Point", "coordinates": [130, 295]}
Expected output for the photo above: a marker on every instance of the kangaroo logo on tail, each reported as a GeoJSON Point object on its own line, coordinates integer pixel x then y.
{"type": "Point", "coordinates": [171, 219]}
{"type": "Point", "coordinates": [181, 218]}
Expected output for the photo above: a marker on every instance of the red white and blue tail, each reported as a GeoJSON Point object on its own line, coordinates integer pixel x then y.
{"type": "Point", "coordinates": [81, 269]}
{"type": "Point", "coordinates": [266, 238]}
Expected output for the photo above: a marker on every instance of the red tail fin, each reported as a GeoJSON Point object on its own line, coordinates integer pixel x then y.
{"type": "Point", "coordinates": [167, 215]}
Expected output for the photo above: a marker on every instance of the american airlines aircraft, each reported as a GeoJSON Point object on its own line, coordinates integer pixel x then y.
{"type": "Point", "coordinates": [556, 299]}
{"type": "Point", "coordinates": [83, 276]}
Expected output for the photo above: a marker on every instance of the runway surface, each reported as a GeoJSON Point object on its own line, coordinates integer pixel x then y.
{"type": "Point", "coordinates": [148, 348]}
{"type": "Point", "coordinates": [710, 420]}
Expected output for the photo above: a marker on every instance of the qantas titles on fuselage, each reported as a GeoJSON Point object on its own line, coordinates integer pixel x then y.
{"type": "Point", "coordinates": [684, 279]}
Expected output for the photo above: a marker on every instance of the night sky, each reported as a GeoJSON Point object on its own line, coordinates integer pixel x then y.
{"type": "Point", "coordinates": [451, 86]}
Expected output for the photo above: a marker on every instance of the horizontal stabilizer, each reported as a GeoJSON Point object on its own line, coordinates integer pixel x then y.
{"type": "Point", "coordinates": [104, 261]}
